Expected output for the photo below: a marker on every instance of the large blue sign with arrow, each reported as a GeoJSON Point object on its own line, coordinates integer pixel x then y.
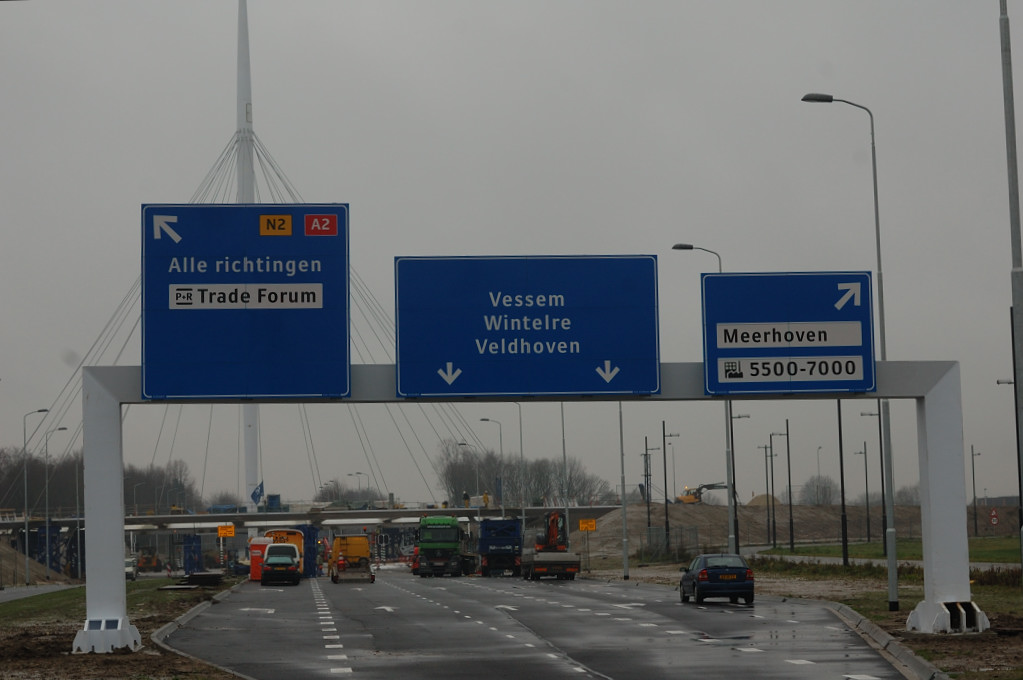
{"type": "Point", "coordinates": [526, 325]}
{"type": "Point", "coordinates": [245, 301]}
{"type": "Point", "coordinates": [786, 333]}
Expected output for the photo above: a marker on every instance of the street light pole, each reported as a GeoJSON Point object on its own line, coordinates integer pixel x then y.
{"type": "Point", "coordinates": [646, 479]}
{"type": "Point", "coordinates": [134, 496]}
{"type": "Point", "coordinates": [358, 481]}
{"type": "Point", "coordinates": [664, 457]}
{"type": "Point", "coordinates": [817, 490]}
{"type": "Point", "coordinates": [973, 469]}
{"type": "Point", "coordinates": [886, 422]}
{"type": "Point", "coordinates": [733, 521]}
{"type": "Point", "coordinates": [767, 486]}
{"type": "Point", "coordinates": [476, 455]}
{"type": "Point", "coordinates": [841, 483]}
{"type": "Point", "coordinates": [774, 512]}
{"type": "Point", "coordinates": [884, 509]}
{"type": "Point", "coordinates": [1016, 274]}
{"type": "Point", "coordinates": [788, 471]}
{"type": "Point", "coordinates": [46, 484]}
{"type": "Point", "coordinates": [866, 484]}
{"type": "Point", "coordinates": [730, 469]}
{"type": "Point", "coordinates": [522, 471]}
{"type": "Point", "coordinates": [24, 454]}
{"type": "Point", "coordinates": [500, 444]}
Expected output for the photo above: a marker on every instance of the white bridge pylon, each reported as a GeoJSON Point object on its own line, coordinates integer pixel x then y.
{"type": "Point", "coordinates": [934, 385]}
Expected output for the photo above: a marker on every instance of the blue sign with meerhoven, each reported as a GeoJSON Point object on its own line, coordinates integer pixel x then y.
{"type": "Point", "coordinates": [787, 333]}
{"type": "Point", "coordinates": [526, 325]}
{"type": "Point", "coordinates": [245, 301]}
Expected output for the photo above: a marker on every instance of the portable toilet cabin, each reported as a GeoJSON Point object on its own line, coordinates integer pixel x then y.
{"type": "Point", "coordinates": [257, 547]}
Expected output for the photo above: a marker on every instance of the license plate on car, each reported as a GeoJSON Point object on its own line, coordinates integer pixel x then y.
{"type": "Point", "coordinates": [726, 577]}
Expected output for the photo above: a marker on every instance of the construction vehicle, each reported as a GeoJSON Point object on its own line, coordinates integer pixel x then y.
{"type": "Point", "coordinates": [499, 546]}
{"type": "Point", "coordinates": [148, 560]}
{"type": "Point", "coordinates": [349, 560]}
{"type": "Point", "coordinates": [439, 541]}
{"type": "Point", "coordinates": [549, 555]}
{"type": "Point", "coordinates": [695, 495]}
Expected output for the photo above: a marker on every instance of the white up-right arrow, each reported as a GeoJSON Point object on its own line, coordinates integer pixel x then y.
{"type": "Point", "coordinates": [852, 290]}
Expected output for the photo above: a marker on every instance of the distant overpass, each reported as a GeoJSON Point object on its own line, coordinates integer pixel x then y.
{"type": "Point", "coordinates": [315, 516]}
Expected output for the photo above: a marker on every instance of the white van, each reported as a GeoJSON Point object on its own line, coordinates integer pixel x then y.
{"type": "Point", "coordinates": [281, 549]}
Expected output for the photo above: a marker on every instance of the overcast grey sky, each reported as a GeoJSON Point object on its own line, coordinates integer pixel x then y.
{"type": "Point", "coordinates": [526, 128]}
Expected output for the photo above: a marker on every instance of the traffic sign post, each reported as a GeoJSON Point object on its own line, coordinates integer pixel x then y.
{"type": "Point", "coordinates": [787, 333]}
{"type": "Point", "coordinates": [469, 326]}
{"type": "Point", "coordinates": [245, 301]}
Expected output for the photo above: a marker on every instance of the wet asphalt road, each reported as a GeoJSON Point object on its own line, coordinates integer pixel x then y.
{"type": "Point", "coordinates": [453, 628]}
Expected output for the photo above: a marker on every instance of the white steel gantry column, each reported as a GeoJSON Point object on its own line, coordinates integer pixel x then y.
{"type": "Point", "coordinates": [947, 605]}
{"type": "Point", "coordinates": [106, 611]}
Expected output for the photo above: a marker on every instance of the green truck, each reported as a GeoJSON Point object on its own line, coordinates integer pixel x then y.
{"type": "Point", "coordinates": [438, 546]}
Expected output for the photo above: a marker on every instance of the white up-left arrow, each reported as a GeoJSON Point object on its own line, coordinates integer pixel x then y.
{"type": "Point", "coordinates": [162, 224]}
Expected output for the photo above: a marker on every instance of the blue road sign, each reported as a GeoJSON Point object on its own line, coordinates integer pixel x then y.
{"type": "Point", "coordinates": [526, 325]}
{"type": "Point", "coordinates": [245, 301]}
{"type": "Point", "coordinates": [790, 332]}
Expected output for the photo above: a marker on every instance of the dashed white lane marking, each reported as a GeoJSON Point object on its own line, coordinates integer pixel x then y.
{"type": "Point", "coordinates": [326, 622]}
{"type": "Point", "coordinates": [799, 662]}
{"type": "Point", "coordinates": [747, 649]}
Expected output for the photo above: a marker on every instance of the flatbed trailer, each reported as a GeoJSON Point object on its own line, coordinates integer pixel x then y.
{"type": "Point", "coordinates": [561, 565]}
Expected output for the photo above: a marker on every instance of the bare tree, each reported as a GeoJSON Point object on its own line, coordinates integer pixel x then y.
{"type": "Point", "coordinates": [818, 490]}
{"type": "Point", "coordinates": [908, 495]}
{"type": "Point", "coordinates": [464, 469]}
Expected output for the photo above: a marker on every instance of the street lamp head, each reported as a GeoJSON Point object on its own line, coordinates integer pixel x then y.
{"type": "Point", "coordinates": [485, 420]}
{"type": "Point", "coordinates": [818, 98]}
{"type": "Point", "coordinates": [682, 246]}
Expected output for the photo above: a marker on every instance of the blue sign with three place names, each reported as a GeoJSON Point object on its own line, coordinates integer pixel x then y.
{"type": "Point", "coordinates": [521, 325]}
{"type": "Point", "coordinates": [789, 332]}
{"type": "Point", "coordinates": [245, 301]}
